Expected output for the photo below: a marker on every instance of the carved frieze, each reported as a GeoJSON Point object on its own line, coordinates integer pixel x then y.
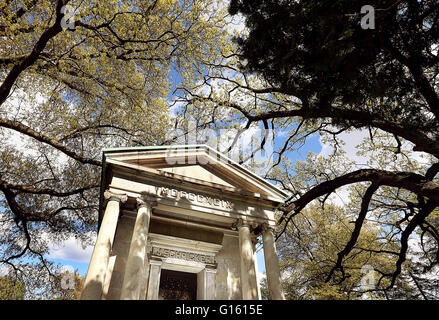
{"type": "Point", "coordinates": [195, 198]}
{"type": "Point", "coordinates": [183, 255]}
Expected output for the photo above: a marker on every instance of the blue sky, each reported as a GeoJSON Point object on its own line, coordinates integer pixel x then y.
{"type": "Point", "coordinates": [80, 267]}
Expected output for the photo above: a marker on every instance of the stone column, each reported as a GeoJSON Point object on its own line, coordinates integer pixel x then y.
{"type": "Point", "coordinates": [94, 281]}
{"type": "Point", "coordinates": [145, 280]}
{"type": "Point", "coordinates": [155, 269]}
{"type": "Point", "coordinates": [108, 274]}
{"type": "Point", "coordinates": [132, 281]}
{"type": "Point", "coordinates": [206, 284]}
{"type": "Point", "coordinates": [249, 284]}
{"type": "Point", "coordinates": [272, 264]}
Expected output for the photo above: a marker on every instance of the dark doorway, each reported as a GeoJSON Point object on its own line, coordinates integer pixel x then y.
{"type": "Point", "coordinates": [175, 285]}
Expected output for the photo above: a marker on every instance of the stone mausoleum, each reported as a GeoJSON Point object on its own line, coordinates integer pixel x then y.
{"type": "Point", "coordinates": [181, 222]}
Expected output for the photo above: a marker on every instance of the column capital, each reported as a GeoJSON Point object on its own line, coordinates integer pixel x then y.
{"type": "Point", "coordinates": [146, 199]}
{"type": "Point", "coordinates": [269, 227]}
{"type": "Point", "coordinates": [112, 196]}
{"type": "Point", "coordinates": [239, 223]}
{"type": "Point", "coordinates": [142, 203]}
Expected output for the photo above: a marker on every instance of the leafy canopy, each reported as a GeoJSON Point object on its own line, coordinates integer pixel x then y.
{"type": "Point", "coordinates": [319, 50]}
{"type": "Point", "coordinates": [68, 89]}
{"type": "Point", "coordinates": [323, 72]}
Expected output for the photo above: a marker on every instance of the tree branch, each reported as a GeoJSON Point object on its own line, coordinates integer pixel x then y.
{"type": "Point", "coordinates": [17, 69]}
{"type": "Point", "coordinates": [19, 127]}
{"type": "Point", "coordinates": [358, 225]}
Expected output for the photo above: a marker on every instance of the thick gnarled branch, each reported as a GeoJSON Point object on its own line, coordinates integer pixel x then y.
{"type": "Point", "coordinates": [356, 233]}
{"type": "Point", "coordinates": [407, 180]}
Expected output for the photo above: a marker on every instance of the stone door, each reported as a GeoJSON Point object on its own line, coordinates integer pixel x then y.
{"type": "Point", "coordinates": [175, 285]}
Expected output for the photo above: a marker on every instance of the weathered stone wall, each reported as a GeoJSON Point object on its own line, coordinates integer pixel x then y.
{"type": "Point", "coordinates": [186, 232]}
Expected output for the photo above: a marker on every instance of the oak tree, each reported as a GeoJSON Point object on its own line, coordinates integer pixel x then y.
{"type": "Point", "coordinates": [77, 77]}
{"type": "Point", "coordinates": [302, 68]}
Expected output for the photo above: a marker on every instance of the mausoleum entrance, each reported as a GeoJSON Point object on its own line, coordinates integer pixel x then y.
{"type": "Point", "coordinates": [177, 285]}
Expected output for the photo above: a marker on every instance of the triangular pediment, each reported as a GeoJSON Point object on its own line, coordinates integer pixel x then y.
{"type": "Point", "coordinates": [197, 163]}
{"type": "Point", "coordinates": [196, 172]}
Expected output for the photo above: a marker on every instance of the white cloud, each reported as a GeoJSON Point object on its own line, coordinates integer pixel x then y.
{"type": "Point", "coordinates": [71, 250]}
{"type": "Point", "coordinates": [67, 268]}
{"type": "Point", "coordinates": [351, 141]}
{"type": "Point", "coordinates": [353, 138]}
{"type": "Point", "coordinates": [414, 248]}
{"type": "Point", "coordinates": [20, 106]}
{"type": "Point", "coordinates": [4, 270]}
{"type": "Point", "coordinates": [236, 23]}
